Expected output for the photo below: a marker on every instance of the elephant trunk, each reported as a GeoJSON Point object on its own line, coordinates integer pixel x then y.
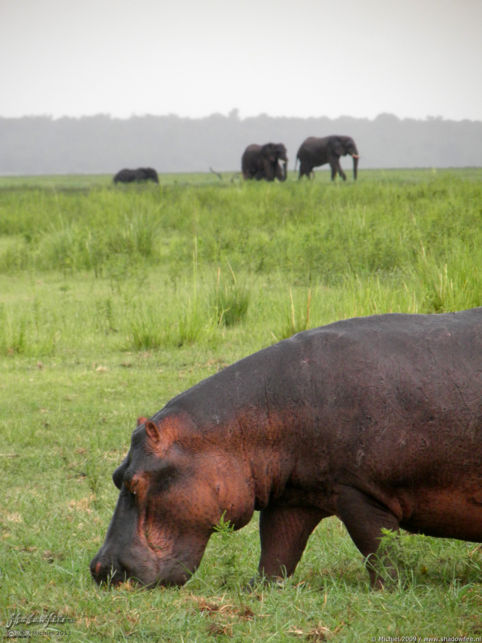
{"type": "Point", "coordinates": [355, 165]}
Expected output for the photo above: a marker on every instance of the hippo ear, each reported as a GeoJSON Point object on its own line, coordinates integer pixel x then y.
{"type": "Point", "coordinates": [152, 431]}
{"type": "Point", "coordinates": [141, 420]}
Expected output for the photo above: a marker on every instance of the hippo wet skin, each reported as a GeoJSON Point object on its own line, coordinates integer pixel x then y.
{"type": "Point", "coordinates": [377, 420]}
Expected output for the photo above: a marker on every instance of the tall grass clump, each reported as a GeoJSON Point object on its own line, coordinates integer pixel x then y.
{"type": "Point", "coordinates": [297, 318]}
{"type": "Point", "coordinates": [230, 299]}
{"type": "Point", "coordinates": [75, 246]}
{"type": "Point", "coordinates": [183, 319]}
{"type": "Point", "coordinates": [194, 323]}
{"type": "Point", "coordinates": [27, 330]}
{"type": "Point", "coordinates": [450, 283]}
{"type": "Point", "coordinates": [403, 560]}
{"type": "Point", "coordinates": [136, 236]}
{"type": "Point", "coordinates": [145, 329]}
{"type": "Point", "coordinates": [183, 316]}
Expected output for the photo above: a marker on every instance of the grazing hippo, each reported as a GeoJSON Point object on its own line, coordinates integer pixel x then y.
{"type": "Point", "coordinates": [376, 420]}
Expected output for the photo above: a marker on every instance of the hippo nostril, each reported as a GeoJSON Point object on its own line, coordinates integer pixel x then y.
{"type": "Point", "coordinates": [105, 570]}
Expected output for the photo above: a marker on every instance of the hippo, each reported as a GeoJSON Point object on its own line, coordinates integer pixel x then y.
{"type": "Point", "coordinates": [376, 420]}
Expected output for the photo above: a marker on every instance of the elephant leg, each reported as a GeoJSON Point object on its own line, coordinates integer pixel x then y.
{"type": "Point", "coordinates": [258, 170]}
{"type": "Point", "coordinates": [365, 518]}
{"type": "Point", "coordinates": [284, 532]}
{"type": "Point", "coordinates": [336, 168]}
{"type": "Point", "coordinates": [305, 170]}
{"type": "Point", "coordinates": [270, 171]}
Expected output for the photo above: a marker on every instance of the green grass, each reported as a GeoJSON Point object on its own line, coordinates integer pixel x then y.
{"type": "Point", "coordinates": [115, 299]}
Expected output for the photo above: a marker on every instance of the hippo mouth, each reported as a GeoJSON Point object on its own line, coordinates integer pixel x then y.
{"type": "Point", "coordinates": [166, 567]}
{"type": "Point", "coordinates": [125, 568]}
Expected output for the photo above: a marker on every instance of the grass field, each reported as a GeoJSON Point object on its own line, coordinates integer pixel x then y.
{"type": "Point", "coordinates": [114, 299]}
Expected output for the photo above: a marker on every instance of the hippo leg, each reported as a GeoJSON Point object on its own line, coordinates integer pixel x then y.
{"type": "Point", "coordinates": [284, 532]}
{"type": "Point", "coordinates": [365, 517]}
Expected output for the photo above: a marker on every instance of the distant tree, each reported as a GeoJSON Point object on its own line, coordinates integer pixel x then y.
{"type": "Point", "coordinates": [100, 143]}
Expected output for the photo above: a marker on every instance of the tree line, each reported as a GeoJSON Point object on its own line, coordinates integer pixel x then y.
{"type": "Point", "coordinates": [103, 144]}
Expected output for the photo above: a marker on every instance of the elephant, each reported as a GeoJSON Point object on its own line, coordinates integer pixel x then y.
{"type": "Point", "coordinates": [318, 151]}
{"type": "Point", "coordinates": [141, 174]}
{"type": "Point", "coordinates": [267, 161]}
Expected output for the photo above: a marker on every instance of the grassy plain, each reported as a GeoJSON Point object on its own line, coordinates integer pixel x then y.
{"type": "Point", "coordinates": [112, 300]}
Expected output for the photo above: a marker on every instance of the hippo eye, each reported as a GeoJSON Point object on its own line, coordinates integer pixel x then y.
{"type": "Point", "coordinates": [165, 478]}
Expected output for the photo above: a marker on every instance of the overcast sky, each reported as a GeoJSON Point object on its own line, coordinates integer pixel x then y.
{"type": "Point", "coordinates": [412, 58]}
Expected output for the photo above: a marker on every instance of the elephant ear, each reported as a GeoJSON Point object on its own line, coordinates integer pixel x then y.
{"type": "Point", "coordinates": [337, 147]}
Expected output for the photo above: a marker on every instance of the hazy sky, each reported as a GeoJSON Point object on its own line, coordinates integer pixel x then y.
{"type": "Point", "coordinates": [412, 58]}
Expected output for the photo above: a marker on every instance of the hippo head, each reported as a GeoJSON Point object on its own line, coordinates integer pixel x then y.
{"type": "Point", "coordinates": [175, 485]}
